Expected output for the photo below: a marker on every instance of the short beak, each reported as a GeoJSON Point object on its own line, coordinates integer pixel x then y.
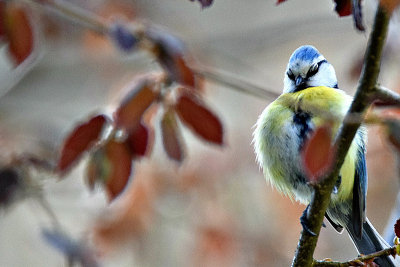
{"type": "Point", "coordinates": [300, 81]}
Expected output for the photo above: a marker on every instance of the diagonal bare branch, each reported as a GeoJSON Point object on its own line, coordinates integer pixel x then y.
{"type": "Point", "coordinates": [366, 88]}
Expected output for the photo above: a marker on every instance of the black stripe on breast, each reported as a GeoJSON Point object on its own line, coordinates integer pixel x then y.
{"type": "Point", "coordinates": [299, 179]}
{"type": "Point", "coordinates": [302, 123]}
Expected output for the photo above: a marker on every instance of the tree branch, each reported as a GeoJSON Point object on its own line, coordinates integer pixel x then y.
{"type": "Point", "coordinates": [237, 83]}
{"type": "Point", "coordinates": [75, 14]}
{"type": "Point", "coordinates": [386, 97]}
{"type": "Point", "coordinates": [101, 26]}
{"type": "Point", "coordinates": [358, 261]}
{"type": "Point", "coordinates": [366, 88]}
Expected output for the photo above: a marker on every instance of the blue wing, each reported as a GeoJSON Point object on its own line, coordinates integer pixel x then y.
{"type": "Point", "coordinates": [359, 189]}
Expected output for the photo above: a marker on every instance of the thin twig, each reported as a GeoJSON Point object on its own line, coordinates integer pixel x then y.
{"type": "Point", "coordinates": [321, 196]}
{"type": "Point", "coordinates": [75, 14]}
{"type": "Point", "coordinates": [236, 83]}
{"type": "Point", "coordinates": [386, 96]}
{"type": "Point", "coordinates": [357, 261]}
{"type": "Point", "coordinates": [99, 25]}
{"type": "Point", "coordinates": [45, 205]}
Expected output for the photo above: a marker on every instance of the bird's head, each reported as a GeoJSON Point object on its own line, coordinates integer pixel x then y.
{"type": "Point", "coordinates": [308, 68]}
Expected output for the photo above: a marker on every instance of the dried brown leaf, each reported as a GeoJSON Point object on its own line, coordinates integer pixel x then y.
{"type": "Point", "coordinates": [120, 159]}
{"type": "Point", "coordinates": [317, 154]}
{"type": "Point", "coordinates": [343, 7]}
{"type": "Point", "coordinates": [199, 118]}
{"type": "Point", "coordinates": [81, 139]}
{"type": "Point", "coordinates": [19, 32]}
{"type": "Point", "coordinates": [130, 112]}
{"type": "Point", "coordinates": [140, 140]}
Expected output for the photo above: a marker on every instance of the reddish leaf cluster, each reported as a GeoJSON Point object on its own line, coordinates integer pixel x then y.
{"type": "Point", "coordinates": [189, 106]}
{"type": "Point", "coordinates": [111, 161]}
{"type": "Point", "coordinates": [16, 30]}
{"type": "Point", "coordinates": [317, 154]}
{"type": "Point", "coordinates": [176, 89]}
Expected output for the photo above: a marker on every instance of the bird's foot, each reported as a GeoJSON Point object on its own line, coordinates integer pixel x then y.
{"type": "Point", "coordinates": [304, 222]}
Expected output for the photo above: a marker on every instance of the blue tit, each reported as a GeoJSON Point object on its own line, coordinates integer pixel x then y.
{"type": "Point", "coordinates": [310, 99]}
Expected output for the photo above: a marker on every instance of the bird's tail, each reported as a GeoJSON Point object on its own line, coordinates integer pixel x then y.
{"type": "Point", "coordinates": [371, 241]}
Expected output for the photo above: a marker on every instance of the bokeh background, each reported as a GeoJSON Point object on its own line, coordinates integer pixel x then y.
{"type": "Point", "coordinates": [216, 208]}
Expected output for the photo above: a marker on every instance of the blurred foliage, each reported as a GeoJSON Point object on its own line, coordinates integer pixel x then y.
{"type": "Point", "coordinates": [204, 212]}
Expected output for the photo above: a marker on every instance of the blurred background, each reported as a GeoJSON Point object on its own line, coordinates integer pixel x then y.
{"type": "Point", "coordinates": [216, 208]}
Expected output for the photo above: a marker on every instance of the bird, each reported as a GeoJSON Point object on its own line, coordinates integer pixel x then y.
{"type": "Point", "coordinates": [311, 99]}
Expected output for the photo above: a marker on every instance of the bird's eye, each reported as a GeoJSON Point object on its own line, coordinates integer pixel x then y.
{"type": "Point", "coordinates": [290, 74]}
{"type": "Point", "coordinates": [313, 70]}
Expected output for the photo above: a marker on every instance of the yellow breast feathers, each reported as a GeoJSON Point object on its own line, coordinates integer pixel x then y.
{"type": "Point", "coordinates": [324, 105]}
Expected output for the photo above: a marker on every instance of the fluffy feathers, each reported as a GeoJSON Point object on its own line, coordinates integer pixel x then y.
{"type": "Point", "coordinates": [310, 99]}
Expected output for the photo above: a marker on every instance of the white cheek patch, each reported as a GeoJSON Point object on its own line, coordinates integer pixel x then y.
{"type": "Point", "coordinates": [325, 76]}
{"type": "Point", "coordinates": [288, 85]}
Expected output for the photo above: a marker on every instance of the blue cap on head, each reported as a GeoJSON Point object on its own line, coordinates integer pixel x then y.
{"type": "Point", "coordinates": [304, 53]}
{"type": "Point", "coordinates": [308, 68]}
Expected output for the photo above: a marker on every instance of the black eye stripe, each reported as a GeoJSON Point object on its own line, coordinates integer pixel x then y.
{"type": "Point", "coordinates": [290, 75]}
{"type": "Point", "coordinates": [313, 72]}
{"type": "Point", "coordinates": [310, 72]}
{"type": "Point", "coordinates": [322, 61]}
